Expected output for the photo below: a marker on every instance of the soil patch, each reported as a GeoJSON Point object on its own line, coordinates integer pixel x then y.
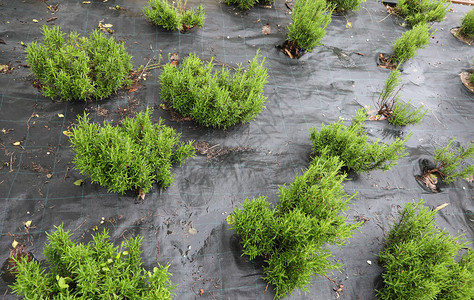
{"type": "Point", "coordinates": [291, 49]}
{"type": "Point", "coordinates": [385, 61]}
{"type": "Point", "coordinates": [465, 78]}
{"type": "Point", "coordinates": [455, 31]}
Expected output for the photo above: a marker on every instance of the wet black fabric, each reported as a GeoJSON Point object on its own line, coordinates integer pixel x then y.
{"type": "Point", "coordinates": [332, 82]}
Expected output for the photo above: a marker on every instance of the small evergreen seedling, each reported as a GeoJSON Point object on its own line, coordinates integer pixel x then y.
{"type": "Point", "coordinates": [174, 16]}
{"type": "Point", "coordinates": [79, 68]}
{"type": "Point", "coordinates": [419, 260]}
{"type": "Point", "coordinates": [351, 146]}
{"type": "Point", "coordinates": [97, 270]}
{"type": "Point", "coordinates": [246, 4]}
{"type": "Point", "coordinates": [467, 25]}
{"type": "Point", "coordinates": [405, 46]}
{"type": "Point", "coordinates": [390, 105]}
{"type": "Point", "coordinates": [449, 162]}
{"type": "Point", "coordinates": [422, 11]}
{"type": "Point", "coordinates": [214, 99]}
{"type": "Point", "coordinates": [131, 156]}
{"type": "Point", "coordinates": [309, 20]}
{"type": "Point", "coordinates": [293, 236]}
{"type": "Point", "coordinates": [345, 5]}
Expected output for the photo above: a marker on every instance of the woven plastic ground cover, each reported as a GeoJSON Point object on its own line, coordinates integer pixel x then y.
{"type": "Point", "coordinates": [185, 224]}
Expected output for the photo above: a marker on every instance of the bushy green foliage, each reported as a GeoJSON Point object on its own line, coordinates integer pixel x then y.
{"type": "Point", "coordinates": [309, 20]}
{"type": "Point", "coordinates": [467, 24]}
{"type": "Point", "coordinates": [246, 4]}
{"type": "Point", "coordinates": [131, 156]}
{"type": "Point", "coordinates": [471, 78]}
{"type": "Point", "coordinates": [390, 105]}
{"type": "Point", "coordinates": [293, 236]}
{"type": "Point", "coordinates": [214, 99]}
{"type": "Point", "coordinates": [419, 260]}
{"type": "Point", "coordinates": [345, 5]}
{"type": "Point", "coordinates": [79, 68]}
{"type": "Point", "coordinates": [97, 270]}
{"type": "Point", "coordinates": [405, 46]}
{"type": "Point", "coordinates": [422, 11]}
{"type": "Point", "coordinates": [449, 161]}
{"type": "Point", "coordinates": [403, 114]}
{"type": "Point", "coordinates": [174, 16]}
{"type": "Point", "coordinates": [351, 146]}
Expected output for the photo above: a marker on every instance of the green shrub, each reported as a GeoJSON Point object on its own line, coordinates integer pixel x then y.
{"type": "Point", "coordinates": [97, 270]}
{"type": "Point", "coordinates": [448, 162]}
{"type": "Point", "coordinates": [246, 4]}
{"type": "Point", "coordinates": [131, 156]}
{"type": "Point", "coordinates": [351, 146]}
{"type": "Point", "coordinates": [292, 237]}
{"type": "Point", "coordinates": [309, 21]}
{"type": "Point", "coordinates": [471, 78]}
{"type": "Point", "coordinates": [419, 260]}
{"type": "Point", "coordinates": [79, 68]}
{"type": "Point", "coordinates": [390, 105]}
{"type": "Point", "coordinates": [467, 24]}
{"type": "Point", "coordinates": [405, 46]}
{"type": "Point", "coordinates": [174, 16]}
{"type": "Point", "coordinates": [345, 5]}
{"type": "Point", "coordinates": [422, 11]}
{"type": "Point", "coordinates": [218, 99]}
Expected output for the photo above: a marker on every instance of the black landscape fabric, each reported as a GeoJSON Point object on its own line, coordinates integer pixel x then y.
{"type": "Point", "coordinates": [185, 224]}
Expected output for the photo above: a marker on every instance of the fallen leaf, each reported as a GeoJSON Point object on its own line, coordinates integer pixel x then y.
{"type": "Point", "coordinates": [67, 133]}
{"type": "Point", "coordinates": [470, 178]}
{"type": "Point", "coordinates": [201, 292]}
{"type": "Point", "coordinates": [192, 231]}
{"type": "Point", "coordinates": [439, 207]}
{"type": "Point", "coordinates": [266, 30]}
{"type": "Point", "coordinates": [349, 25]}
{"type": "Point", "coordinates": [61, 115]}
{"type": "Point", "coordinates": [86, 2]}
{"type": "Point", "coordinates": [16, 143]}
{"type": "Point", "coordinates": [79, 182]}
{"type": "Point", "coordinates": [27, 224]}
{"type": "Point", "coordinates": [132, 90]}
{"type": "Point", "coordinates": [23, 44]}
{"type": "Point", "coordinates": [35, 21]}
{"type": "Point", "coordinates": [14, 244]}
{"type": "Point", "coordinates": [3, 68]}
{"type": "Point", "coordinates": [49, 176]}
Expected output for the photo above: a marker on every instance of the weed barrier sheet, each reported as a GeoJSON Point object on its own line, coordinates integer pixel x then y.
{"type": "Point", "coordinates": [185, 224]}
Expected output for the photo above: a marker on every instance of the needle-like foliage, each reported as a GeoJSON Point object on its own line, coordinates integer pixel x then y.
{"type": "Point", "coordinates": [131, 156]}
{"type": "Point", "coordinates": [215, 99]}
{"type": "Point", "coordinates": [97, 270]}
{"type": "Point", "coordinates": [174, 16]}
{"type": "Point", "coordinates": [419, 260]}
{"type": "Point", "coordinates": [246, 4]}
{"type": "Point", "coordinates": [350, 144]}
{"type": "Point", "coordinates": [309, 20]}
{"type": "Point", "coordinates": [467, 24]}
{"type": "Point", "coordinates": [79, 68]}
{"type": "Point", "coordinates": [346, 5]}
{"type": "Point", "coordinates": [405, 46]}
{"type": "Point", "coordinates": [390, 105]}
{"type": "Point", "coordinates": [292, 237]}
{"type": "Point", "coordinates": [422, 11]}
{"type": "Point", "coordinates": [450, 162]}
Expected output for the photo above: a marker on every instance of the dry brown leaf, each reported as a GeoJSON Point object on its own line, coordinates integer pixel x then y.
{"type": "Point", "coordinates": [266, 30]}
{"type": "Point", "coordinates": [201, 292]}
{"type": "Point", "coordinates": [440, 207]}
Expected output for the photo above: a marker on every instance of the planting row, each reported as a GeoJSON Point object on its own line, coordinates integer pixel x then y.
{"type": "Point", "coordinates": [292, 236]}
